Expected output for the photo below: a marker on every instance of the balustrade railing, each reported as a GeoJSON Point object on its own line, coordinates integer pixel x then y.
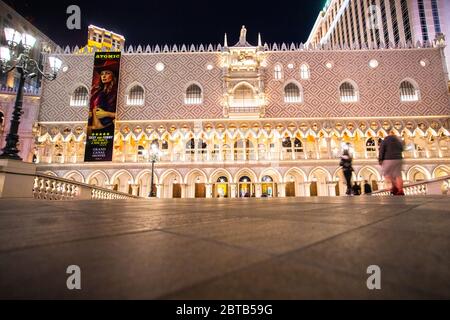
{"type": "Point", "coordinates": [54, 188]}
{"type": "Point", "coordinates": [243, 155]}
{"type": "Point", "coordinates": [437, 186]}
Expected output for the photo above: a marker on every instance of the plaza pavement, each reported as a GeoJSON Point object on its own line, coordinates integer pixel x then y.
{"type": "Point", "coordinates": [292, 248]}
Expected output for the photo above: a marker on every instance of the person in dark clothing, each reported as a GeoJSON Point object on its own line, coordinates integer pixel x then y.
{"type": "Point", "coordinates": [356, 189]}
{"type": "Point", "coordinates": [367, 188]}
{"type": "Point", "coordinates": [391, 161]}
{"type": "Point", "coordinates": [347, 169]}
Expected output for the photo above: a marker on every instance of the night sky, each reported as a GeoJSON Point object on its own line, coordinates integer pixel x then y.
{"type": "Point", "coordinates": [176, 22]}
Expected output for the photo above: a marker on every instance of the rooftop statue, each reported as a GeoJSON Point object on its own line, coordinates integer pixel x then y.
{"type": "Point", "coordinates": [243, 37]}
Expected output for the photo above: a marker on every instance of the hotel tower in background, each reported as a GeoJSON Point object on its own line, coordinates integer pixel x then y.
{"type": "Point", "coordinates": [385, 23]}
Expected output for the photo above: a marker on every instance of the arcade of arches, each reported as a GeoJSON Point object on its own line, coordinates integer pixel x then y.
{"type": "Point", "coordinates": [244, 182]}
{"type": "Point", "coordinates": [227, 159]}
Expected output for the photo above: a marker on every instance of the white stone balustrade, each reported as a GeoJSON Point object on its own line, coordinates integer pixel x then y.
{"type": "Point", "coordinates": [437, 186]}
{"type": "Point", "coordinates": [54, 188]}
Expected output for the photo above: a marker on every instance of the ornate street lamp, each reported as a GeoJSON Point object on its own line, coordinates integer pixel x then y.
{"type": "Point", "coordinates": [16, 57]}
{"type": "Point", "coordinates": [155, 153]}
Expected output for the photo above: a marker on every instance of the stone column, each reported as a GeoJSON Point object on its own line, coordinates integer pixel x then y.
{"type": "Point", "coordinates": [380, 185]}
{"type": "Point", "coordinates": [307, 189]}
{"type": "Point", "coordinates": [281, 190]}
{"type": "Point", "coordinates": [221, 157]}
{"type": "Point", "coordinates": [258, 190]}
{"type": "Point", "coordinates": [330, 153]}
{"type": "Point", "coordinates": [196, 150]}
{"type": "Point", "coordinates": [159, 189]}
{"type": "Point", "coordinates": [438, 146]}
{"type": "Point", "coordinates": [135, 189]}
{"type": "Point", "coordinates": [233, 189]}
{"type": "Point", "coordinates": [209, 191]}
{"type": "Point", "coordinates": [331, 189]}
{"type": "Point", "coordinates": [316, 145]}
{"type": "Point", "coordinates": [183, 190]}
{"type": "Point", "coordinates": [293, 148]}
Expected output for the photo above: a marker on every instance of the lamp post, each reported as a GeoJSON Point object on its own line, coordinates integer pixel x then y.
{"type": "Point", "coordinates": [154, 154]}
{"type": "Point", "coordinates": [16, 56]}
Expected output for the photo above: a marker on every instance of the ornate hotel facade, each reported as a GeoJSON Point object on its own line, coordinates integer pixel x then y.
{"type": "Point", "coordinates": [245, 120]}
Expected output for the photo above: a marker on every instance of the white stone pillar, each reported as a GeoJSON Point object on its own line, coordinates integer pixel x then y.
{"type": "Point", "coordinates": [293, 148]}
{"type": "Point", "coordinates": [258, 190]}
{"type": "Point", "coordinates": [109, 186]}
{"type": "Point", "coordinates": [330, 153]}
{"type": "Point", "coordinates": [183, 190]}
{"type": "Point", "coordinates": [233, 190]}
{"type": "Point", "coordinates": [159, 189]}
{"type": "Point", "coordinates": [331, 189]}
{"type": "Point", "coordinates": [135, 189]}
{"type": "Point", "coordinates": [307, 189]}
{"type": "Point", "coordinates": [281, 190]}
{"type": "Point", "coordinates": [209, 190]}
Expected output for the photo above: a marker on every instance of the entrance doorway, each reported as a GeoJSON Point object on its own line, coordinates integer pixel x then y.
{"type": "Point", "coordinates": [176, 193]}
{"type": "Point", "coordinates": [268, 187]}
{"type": "Point", "coordinates": [200, 190]}
{"type": "Point", "coordinates": [313, 189]}
{"type": "Point", "coordinates": [221, 188]}
{"type": "Point", "coordinates": [290, 189]}
{"type": "Point", "coordinates": [245, 187]}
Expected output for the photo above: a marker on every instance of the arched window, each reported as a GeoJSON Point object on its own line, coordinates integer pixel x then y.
{"type": "Point", "coordinates": [2, 119]}
{"type": "Point", "coordinates": [278, 72]}
{"type": "Point", "coordinates": [243, 96]}
{"type": "Point", "coordinates": [80, 97]}
{"type": "Point", "coordinates": [371, 145]}
{"type": "Point", "coordinates": [193, 95]}
{"type": "Point", "coordinates": [222, 180]}
{"type": "Point", "coordinates": [135, 96]}
{"type": "Point", "coordinates": [292, 93]}
{"type": "Point", "coordinates": [408, 92]}
{"type": "Point", "coordinates": [304, 72]}
{"type": "Point", "coordinates": [348, 92]}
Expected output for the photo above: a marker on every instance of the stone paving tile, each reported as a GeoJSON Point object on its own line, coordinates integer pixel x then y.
{"type": "Point", "coordinates": [137, 266]}
{"type": "Point", "coordinates": [421, 220]}
{"type": "Point", "coordinates": [227, 248]}
{"type": "Point", "coordinates": [419, 262]}
{"type": "Point", "coordinates": [290, 280]}
{"type": "Point", "coordinates": [263, 235]}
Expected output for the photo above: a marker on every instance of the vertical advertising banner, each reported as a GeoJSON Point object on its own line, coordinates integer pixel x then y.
{"type": "Point", "coordinates": [102, 107]}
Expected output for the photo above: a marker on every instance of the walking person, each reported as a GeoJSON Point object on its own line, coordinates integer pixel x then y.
{"type": "Point", "coordinates": [391, 161]}
{"type": "Point", "coordinates": [367, 188]}
{"type": "Point", "coordinates": [347, 169]}
{"type": "Point", "coordinates": [356, 189]}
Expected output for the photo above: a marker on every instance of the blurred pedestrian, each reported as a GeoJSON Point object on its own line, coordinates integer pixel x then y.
{"type": "Point", "coordinates": [367, 188]}
{"type": "Point", "coordinates": [347, 169]}
{"type": "Point", "coordinates": [391, 161]}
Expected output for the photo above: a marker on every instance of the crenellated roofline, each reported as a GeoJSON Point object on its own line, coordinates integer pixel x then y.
{"type": "Point", "coordinates": [157, 49]}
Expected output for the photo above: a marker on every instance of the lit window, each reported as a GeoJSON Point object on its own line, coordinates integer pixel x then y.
{"type": "Point", "coordinates": [278, 72]}
{"type": "Point", "coordinates": [348, 92]}
{"type": "Point", "coordinates": [193, 95]}
{"type": "Point", "coordinates": [304, 72]}
{"type": "Point", "coordinates": [135, 96]}
{"type": "Point", "coordinates": [408, 92]}
{"type": "Point", "coordinates": [292, 94]}
{"type": "Point", "coordinates": [79, 97]}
